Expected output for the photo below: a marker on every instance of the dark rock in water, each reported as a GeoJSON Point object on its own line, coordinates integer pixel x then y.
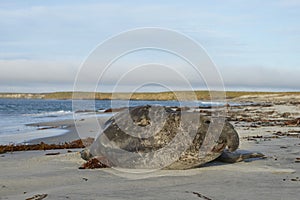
{"type": "Point", "coordinates": [158, 137]}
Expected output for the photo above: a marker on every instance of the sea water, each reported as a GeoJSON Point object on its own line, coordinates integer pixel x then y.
{"type": "Point", "coordinates": [15, 114]}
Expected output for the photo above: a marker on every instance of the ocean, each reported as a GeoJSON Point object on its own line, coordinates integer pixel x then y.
{"type": "Point", "coordinates": [16, 113]}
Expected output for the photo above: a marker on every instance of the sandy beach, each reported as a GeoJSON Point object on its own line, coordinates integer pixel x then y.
{"type": "Point", "coordinates": [270, 128]}
{"type": "Point", "coordinates": [149, 100]}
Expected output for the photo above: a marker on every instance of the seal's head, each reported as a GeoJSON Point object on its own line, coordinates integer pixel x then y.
{"type": "Point", "coordinates": [230, 137]}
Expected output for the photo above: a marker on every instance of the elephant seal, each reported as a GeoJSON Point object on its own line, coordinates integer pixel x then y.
{"type": "Point", "coordinates": [160, 137]}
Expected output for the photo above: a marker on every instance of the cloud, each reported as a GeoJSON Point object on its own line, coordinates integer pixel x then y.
{"type": "Point", "coordinates": [33, 71]}
{"type": "Point", "coordinates": [256, 77]}
{"type": "Point", "coordinates": [41, 76]}
{"type": "Point", "coordinates": [43, 43]}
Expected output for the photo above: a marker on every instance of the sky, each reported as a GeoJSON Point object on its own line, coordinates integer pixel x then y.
{"type": "Point", "coordinates": [255, 45]}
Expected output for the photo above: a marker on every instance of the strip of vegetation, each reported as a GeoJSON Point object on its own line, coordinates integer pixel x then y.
{"type": "Point", "coordinates": [187, 95]}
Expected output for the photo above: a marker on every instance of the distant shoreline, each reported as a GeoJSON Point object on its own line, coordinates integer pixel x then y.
{"type": "Point", "coordinates": [200, 95]}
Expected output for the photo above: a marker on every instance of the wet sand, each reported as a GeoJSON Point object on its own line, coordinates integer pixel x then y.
{"type": "Point", "coordinates": [271, 130]}
{"type": "Point", "coordinates": [83, 128]}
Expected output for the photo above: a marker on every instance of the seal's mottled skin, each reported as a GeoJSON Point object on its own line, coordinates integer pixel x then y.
{"type": "Point", "coordinates": [158, 137]}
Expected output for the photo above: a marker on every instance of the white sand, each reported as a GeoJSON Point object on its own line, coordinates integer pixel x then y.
{"type": "Point", "coordinates": [58, 176]}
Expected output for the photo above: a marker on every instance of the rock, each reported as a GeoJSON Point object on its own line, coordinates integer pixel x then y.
{"type": "Point", "coordinates": [159, 137]}
{"type": "Point", "coordinates": [114, 110]}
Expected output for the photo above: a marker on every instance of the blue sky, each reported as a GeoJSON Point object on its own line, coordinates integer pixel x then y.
{"type": "Point", "coordinates": [255, 44]}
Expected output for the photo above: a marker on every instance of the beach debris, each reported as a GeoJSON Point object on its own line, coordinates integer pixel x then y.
{"type": "Point", "coordinates": [199, 195]}
{"type": "Point", "coordinates": [283, 147]}
{"type": "Point", "coordinates": [94, 163]}
{"type": "Point", "coordinates": [134, 139]}
{"type": "Point", "coordinates": [85, 179]}
{"type": "Point", "coordinates": [202, 196]}
{"type": "Point", "coordinates": [52, 154]}
{"type": "Point", "coordinates": [291, 179]}
{"type": "Point", "coordinates": [293, 122]}
{"type": "Point", "coordinates": [254, 137]}
{"type": "Point", "coordinates": [295, 179]}
{"type": "Point", "coordinates": [286, 115]}
{"type": "Point", "coordinates": [297, 160]}
{"type": "Point", "coordinates": [43, 146]}
{"type": "Point", "coordinates": [294, 102]}
{"type": "Point", "coordinates": [287, 134]}
{"type": "Point", "coordinates": [38, 197]}
{"type": "Point", "coordinates": [258, 138]}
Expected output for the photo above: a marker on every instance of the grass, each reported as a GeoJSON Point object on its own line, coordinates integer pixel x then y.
{"type": "Point", "coordinates": [186, 95]}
